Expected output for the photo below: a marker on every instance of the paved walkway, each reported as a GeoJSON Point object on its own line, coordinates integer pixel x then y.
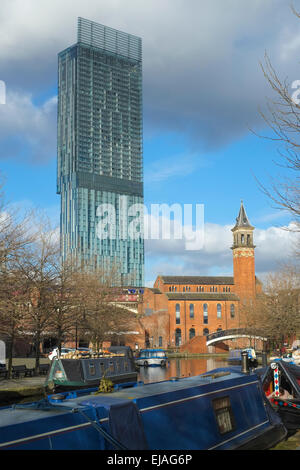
{"type": "Point", "coordinates": [22, 383]}
{"type": "Point", "coordinates": [293, 443]}
{"type": "Point", "coordinates": [16, 389]}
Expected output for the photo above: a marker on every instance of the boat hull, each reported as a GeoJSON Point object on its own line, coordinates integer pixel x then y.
{"type": "Point", "coordinates": [65, 386]}
{"type": "Point", "coordinates": [266, 440]}
{"type": "Point", "coordinates": [208, 412]}
{"type": "Point", "coordinates": [152, 362]}
{"type": "Point", "coordinates": [288, 409]}
{"type": "Point", "coordinates": [289, 415]}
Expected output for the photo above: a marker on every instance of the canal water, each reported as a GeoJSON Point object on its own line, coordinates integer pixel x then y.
{"type": "Point", "coordinates": [180, 367]}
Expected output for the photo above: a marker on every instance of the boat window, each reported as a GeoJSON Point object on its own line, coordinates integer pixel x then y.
{"type": "Point", "coordinates": [111, 366]}
{"type": "Point", "coordinates": [159, 354]}
{"type": "Point", "coordinates": [224, 415]}
{"type": "Point", "coordinates": [92, 369]}
{"type": "Point", "coordinates": [126, 366]}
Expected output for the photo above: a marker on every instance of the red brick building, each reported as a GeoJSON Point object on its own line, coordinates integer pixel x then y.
{"type": "Point", "coordinates": [180, 309]}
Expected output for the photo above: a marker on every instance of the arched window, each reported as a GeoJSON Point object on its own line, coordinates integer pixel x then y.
{"type": "Point", "coordinates": [232, 311]}
{"type": "Point", "coordinates": [192, 333]}
{"type": "Point", "coordinates": [205, 332]}
{"type": "Point", "coordinates": [205, 314]}
{"type": "Point", "coordinates": [191, 310]}
{"type": "Point", "coordinates": [219, 311]}
{"type": "Point", "coordinates": [242, 239]}
{"type": "Point", "coordinates": [160, 341]}
{"type": "Point", "coordinates": [177, 314]}
{"type": "Point", "coordinates": [178, 337]}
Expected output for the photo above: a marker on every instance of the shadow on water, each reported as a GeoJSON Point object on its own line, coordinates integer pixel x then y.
{"type": "Point", "coordinates": [180, 367]}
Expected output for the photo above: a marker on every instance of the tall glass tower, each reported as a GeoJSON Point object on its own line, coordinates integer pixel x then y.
{"type": "Point", "coordinates": [100, 169]}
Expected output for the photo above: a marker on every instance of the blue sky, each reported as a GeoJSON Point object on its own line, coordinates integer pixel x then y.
{"type": "Point", "coordinates": [202, 90]}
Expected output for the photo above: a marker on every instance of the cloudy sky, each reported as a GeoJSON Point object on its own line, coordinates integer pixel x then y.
{"type": "Point", "coordinates": [202, 89]}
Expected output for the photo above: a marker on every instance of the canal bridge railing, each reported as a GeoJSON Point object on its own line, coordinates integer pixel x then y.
{"type": "Point", "coordinates": [223, 335]}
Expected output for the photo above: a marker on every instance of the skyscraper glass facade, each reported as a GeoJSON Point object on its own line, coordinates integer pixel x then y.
{"type": "Point", "coordinates": [100, 149]}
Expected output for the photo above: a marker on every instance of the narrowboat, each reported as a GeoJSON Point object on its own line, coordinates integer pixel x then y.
{"type": "Point", "coordinates": [224, 409]}
{"type": "Point", "coordinates": [235, 357]}
{"type": "Point", "coordinates": [152, 357]}
{"type": "Point", "coordinates": [281, 384]}
{"type": "Point", "coordinates": [84, 372]}
{"type": "Point", "coordinates": [293, 358]}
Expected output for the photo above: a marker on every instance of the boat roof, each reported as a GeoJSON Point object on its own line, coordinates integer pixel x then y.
{"type": "Point", "coordinates": [142, 394]}
{"type": "Point", "coordinates": [153, 349]}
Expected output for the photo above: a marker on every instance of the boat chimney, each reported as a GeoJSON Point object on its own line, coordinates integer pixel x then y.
{"type": "Point", "coordinates": [245, 362]}
{"type": "Point", "coordinates": [264, 359]}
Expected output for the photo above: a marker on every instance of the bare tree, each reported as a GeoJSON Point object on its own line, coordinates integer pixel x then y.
{"type": "Point", "coordinates": [38, 267]}
{"type": "Point", "coordinates": [276, 311]}
{"type": "Point", "coordinates": [12, 309]}
{"type": "Point", "coordinates": [283, 118]}
{"type": "Point", "coordinates": [102, 318]}
{"type": "Point", "coordinates": [15, 235]}
{"type": "Point", "coordinates": [68, 304]}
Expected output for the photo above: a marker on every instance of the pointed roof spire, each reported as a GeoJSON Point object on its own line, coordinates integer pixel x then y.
{"type": "Point", "coordinates": [242, 219]}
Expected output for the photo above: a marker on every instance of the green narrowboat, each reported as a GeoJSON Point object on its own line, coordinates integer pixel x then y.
{"type": "Point", "coordinates": [84, 372]}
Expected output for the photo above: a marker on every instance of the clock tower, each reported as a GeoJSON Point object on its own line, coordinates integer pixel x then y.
{"type": "Point", "coordinates": [243, 256]}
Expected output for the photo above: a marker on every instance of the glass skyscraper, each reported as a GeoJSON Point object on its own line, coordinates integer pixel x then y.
{"type": "Point", "coordinates": [100, 150]}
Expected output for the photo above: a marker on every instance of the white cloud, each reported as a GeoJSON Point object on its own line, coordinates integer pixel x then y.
{"type": "Point", "coordinates": [200, 63]}
{"type": "Point", "coordinates": [274, 247]}
{"type": "Point", "coordinates": [26, 127]}
{"type": "Point", "coordinates": [173, 166]}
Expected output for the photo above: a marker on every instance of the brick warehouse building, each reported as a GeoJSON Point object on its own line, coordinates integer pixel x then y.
{"type": "Point", "coordinates": [179, 311]}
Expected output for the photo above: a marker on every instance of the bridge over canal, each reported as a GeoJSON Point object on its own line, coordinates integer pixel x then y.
{"type": "Point", "coordinates": [223, 335]}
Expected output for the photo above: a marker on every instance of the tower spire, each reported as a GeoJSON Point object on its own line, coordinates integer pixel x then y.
{"type": "Point", "coordinates": [243, 255]}
{"type": "Point", "coordinates": [242, 219]}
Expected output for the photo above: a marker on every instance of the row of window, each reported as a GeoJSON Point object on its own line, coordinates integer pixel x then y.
{"type": "Point", "coordinates": [205, 312]}
{"type": "Point", "coordinates": [192, 333]}
{"type": "Point", "coordinates": [199, 289]}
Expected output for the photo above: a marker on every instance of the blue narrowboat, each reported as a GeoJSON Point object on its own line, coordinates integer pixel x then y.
{"type": "Point", "coordinates": [223, 409]}
{"type": "Point", "coordinates": [235, 356]}
{"type": "Point", "coordinates": [152, 357]}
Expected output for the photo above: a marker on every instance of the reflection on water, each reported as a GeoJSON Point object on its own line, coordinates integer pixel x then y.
{"type": "Point", "coordinates": [175, 368]}
{"type": "Point", "coordinates": [180, 367]}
